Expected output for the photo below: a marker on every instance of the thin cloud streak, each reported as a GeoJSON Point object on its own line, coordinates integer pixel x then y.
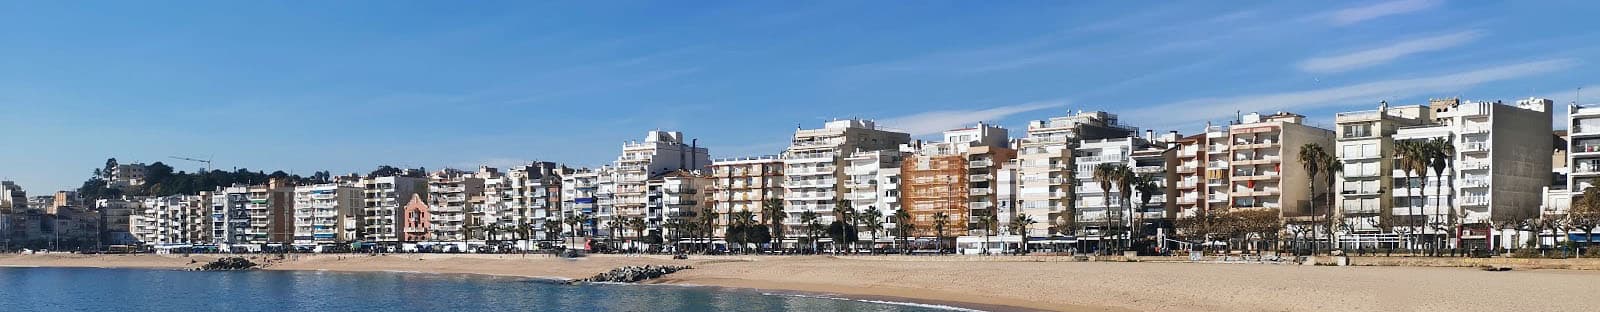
{"type": "Point", "coordinates": [1199, 110]}
{"type": "Point", "coordinates": [938, 121]}
{"type": "Point", "coordinates": [1358, 14]}
{"type": "Point", "coordinates": [1387, 53]}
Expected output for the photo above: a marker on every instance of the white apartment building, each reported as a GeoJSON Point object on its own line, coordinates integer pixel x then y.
{"type": "Point", "coordinates": [160, 221]}
{"type": "Point", "coordinates": [874, 181]}
{"type": "Point", "coordinates": [230, 220]}
{"type": "Point", "coordinates": [675, 195]}
{"type": "Point", "coordinates": [1493, 176]}
{"type": "Point", "coordinates": [1045, 173]}
{"type": "Point", "coordinates": [660, 152]}
{"type": "Point", "coordinates": [449, 193]}
{"type": "Point", "coordinates": [1365, 147]}
{"type": "Point", "coordinates": [1097, 208]}
{"type": "Point", "coordinates": [815, 160]}
{"type": "Point", "coordinates": [383, 198]}
{"type": "Point", "coordinates": [325, 214]}
{"type": "Point", "coordinates": [527, 194]}
{"type": "Point", "coordinates": [580, 195]}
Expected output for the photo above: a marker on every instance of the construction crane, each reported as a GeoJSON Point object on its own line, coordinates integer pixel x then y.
{"type": "Point", "coordinates": [204, 161]}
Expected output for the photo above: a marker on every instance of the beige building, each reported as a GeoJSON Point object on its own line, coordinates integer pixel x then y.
{"type": "Point", "coordinates": [1265, 172]}
{"type": "Point", "coordinates": [743, 184]}
{"type": "Point", "coordinates": [815, 161]}
{"type": "Point", "coordinates": [1365, 147]}
{"type": "Point", "coordinates": [1045, 172]}
{"type": "Point", "coordinates": [450, 196]}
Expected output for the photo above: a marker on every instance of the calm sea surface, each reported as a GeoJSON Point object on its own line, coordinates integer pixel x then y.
{"type": "Point", "coordinates": [73, 289]}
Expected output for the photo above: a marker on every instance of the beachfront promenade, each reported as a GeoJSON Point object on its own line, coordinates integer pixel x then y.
{"type": "Point", "coordinates": [1023, 282]}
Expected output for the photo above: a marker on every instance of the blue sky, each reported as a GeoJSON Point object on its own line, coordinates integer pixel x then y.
{"type": "Point", "coordinates": [349, 85]}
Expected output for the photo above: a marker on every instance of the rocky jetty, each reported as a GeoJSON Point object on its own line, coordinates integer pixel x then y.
{"type": "Point", "coordinates": [633, 274]}
{"type": "Point", "coordinates": [228, 264]}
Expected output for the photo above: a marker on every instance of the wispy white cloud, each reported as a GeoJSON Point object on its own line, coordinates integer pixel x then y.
{"type": "Point", "coordinates": [939, 121]}
{"type": "Point", "coordinates": [1194, 111]}
{"type": "Point", "coordinates": [1387, 53]}
{"type": "Point", "coordinates": [1358, 14]}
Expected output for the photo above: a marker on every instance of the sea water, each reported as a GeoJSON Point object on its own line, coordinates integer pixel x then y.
{"type": "Point", "coordinates": [92, 289]}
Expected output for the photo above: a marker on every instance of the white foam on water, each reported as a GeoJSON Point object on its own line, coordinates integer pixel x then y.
{"type": "Point", "coordinates": [898, 303]}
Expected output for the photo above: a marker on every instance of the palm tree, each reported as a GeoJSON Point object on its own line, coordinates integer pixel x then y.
{"type": "Point", "coordinates": [809, 218]}
{"type": "Point", "coordinates": [708, 221]}
{"type": "Point", "coordinates": [940, 222]}
{"type": "Point", "coordinates": [1333, 168]}
{"type": "Point", "coordinates": [844, 214]}
{"type": "Point", "coordinates": [638, 225]}
{"type": "Point", "coordinates": [903, 228]}
{"type": "Point", "coordinates": [1314, 160]}
{"type": "Point", "coordinates": [1409, 155]}
{"type": "Point", "coordinates": [1442, 152]}
{"type": "Point", "coordinates": [1019, 226]}
{"type": "Point", "coordinates": [772, 212]}
{"type": "Point", "coordinates": [1125, 180]}
{"type": "Point", "coordinates": [552, 228]}
{"type": "Point", "coordinates": [873, 218]}
{"type": "Point", "coordinates": [1146, 185]}
{"type": "Point", "coordinates": [744, 219]}
{"type": "Point", "coordinates": [1106, 174]}
{"type": "Point", "coordinates": [813, 228]}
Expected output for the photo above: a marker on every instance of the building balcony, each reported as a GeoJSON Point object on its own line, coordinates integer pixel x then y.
{"type": "Point", "coordinates": [980, 191]}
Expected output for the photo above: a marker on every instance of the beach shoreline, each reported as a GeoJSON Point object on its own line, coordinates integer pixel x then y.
{"type": "Point", "coordinates": [985, 283]}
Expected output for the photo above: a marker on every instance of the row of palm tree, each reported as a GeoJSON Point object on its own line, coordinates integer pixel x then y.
{"type": "Point", "coordinates": [1125, 181]}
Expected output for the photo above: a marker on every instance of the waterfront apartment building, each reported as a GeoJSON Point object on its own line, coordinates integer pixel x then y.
{"type": "Point", "coordinates": [739, 184]}
{"type": "Point", "coordinates": [660, 153]}
{"type": "Point", "coordinates": [525, 194]}
{"type": "Point", "coordinates": [1493, 174]}
{"type": "Point", "coordinates": [815, 161]}
{"type": "Point", "coordinates": [450, 193]}
{"type": "Point", "coordinates": [415, 221]}
{"type": "Point", "coordinates": [159, 221]}
{"type": "Point", "coordinates": [325, 214]}
{"type": "Point", "coordinates": [676, 195]}
{"type": "Point", "coordinates": [1202, 172]}
{"type": "Point", "coordinates": [272, 213]}
{"type": "Point", "coordinates": [1583, 147]}
{"type": "Point", "coordinates": [1155, 164]}
{"type": "Point", "coordinates": [874, 182]}
{"type": "Point", "coordinates": [580, 196]}
{"type": "Point", "coordinates": [1265, 172]}
{"type": "Point", "coordinates": [383, 200]}
{"type": "Point", "coordinates": [1045, 172]}
{"type": "Point", "coordinates": [1365, 147]}
{"type": "Point", "coordinates": [228, 217]}
{"type": "Point", "coordinates": [955, 177]}
{"type": "Point", "coordinates": [116, 220]}
{"type": "Point", "coordinates": [1098, 209]}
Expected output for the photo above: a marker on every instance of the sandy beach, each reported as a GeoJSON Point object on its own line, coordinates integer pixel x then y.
{"type": "Point", "coordinates": [1004, 283]}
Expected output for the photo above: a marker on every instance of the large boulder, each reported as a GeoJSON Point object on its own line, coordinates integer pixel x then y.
{"type": "Point", "coordinates": [229, 264]}
{"type": "Point", "coordinates": [633, 274]}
